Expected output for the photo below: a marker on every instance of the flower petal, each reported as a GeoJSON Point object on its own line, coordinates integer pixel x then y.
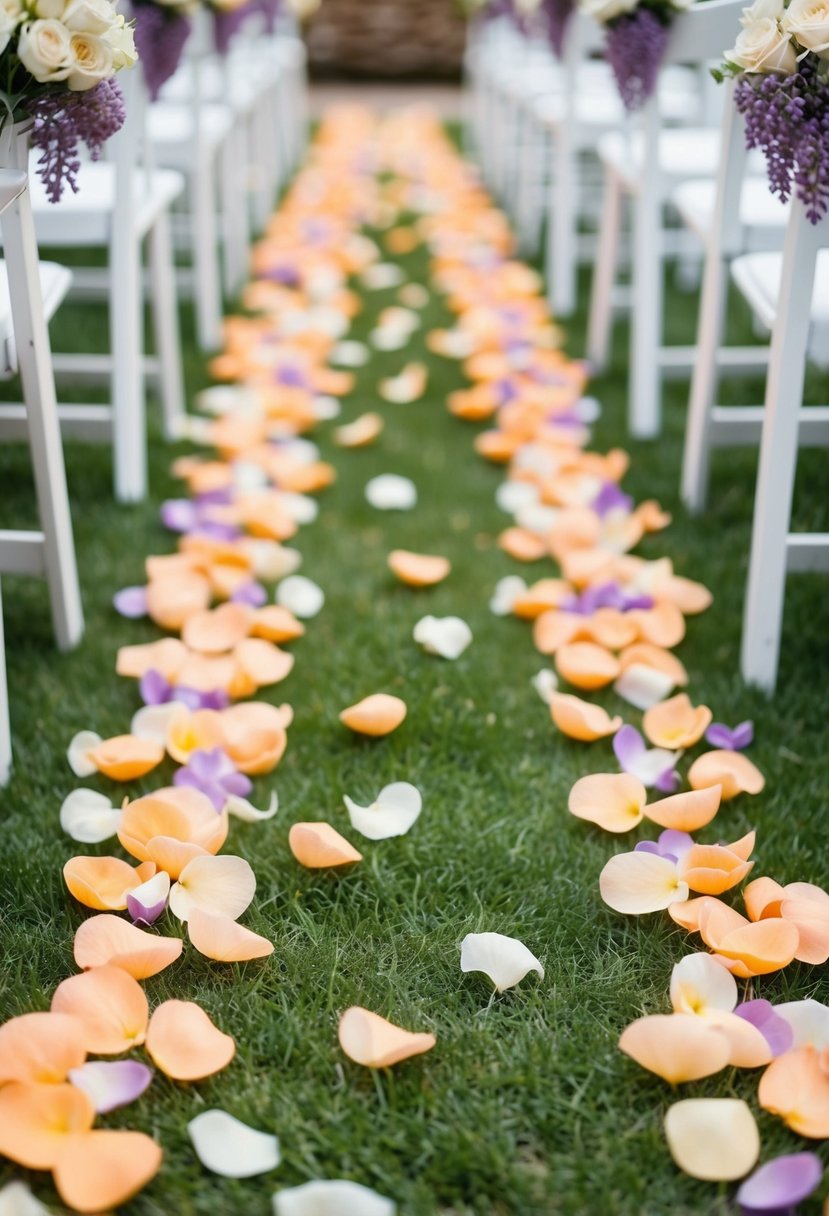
{"type": "Point", "coordinates": [781, 1184]}
{"type": "Point", "coordinates": [110, 1006]}
{"type": "Point", "coordinates": [614, 801]}
{"type": "Point", "coordinates": [507, 590]}
{"type": "Point", "coordinates": [223, 940]}
{"type": "Point", "coordinates": [359, 433]}
{"type": "Point", "coordinates": [586, 665]}
{"type": "Point", "coordinates": [368, 1039]}
{"type": "Point", "coordinates": [106, 939]}
{"type": "Point", "coordinates": [699, 984]}
{"type": "Point", "coordinates": [36, 1120]}
{"type": "Point", "coordinates": [240, 808]}
{"type": "Point", "coordinates": [418, 569]}
{"type": "Point", "coordinates": [637, 883]}
{"type": "Point", "coordinates": [105, 1168]}
{"type": "Point", "coordinates": [376, 715]}
{"type": "Point", "coordinates": [642, 686]}
{"type": "Point", "coordinates": [390, 492]}
{"type": "Point", "coordinates": [223, 886]}
{"type": "Point", "coordinates": [392, 813]}
{"type": "Point", "coordinates": [319, 846]}
{"type": "Point", "coordinates": [331, 1198]}
{"type": "Point", "coordinates": [715, 1139]}
{"type": "Point", "coordinates": [676, 723]}
{"type": "Point", "coordinates": [101, 883]}
{"type": "Point", "coordinates": [111, 1083]}
{"type": "Point", "coordinates": [809, 1020]}
{"type": "Point", "coordinates": [677, 1046]}
{"type": "Point", "coordinates": [732, 770]}
{"type": "Point", "coordinates": [79, 753]}
{"type": "Point", "coordinates": [796, 1088]}
{"type": "Point", "coordinates": [124, 757]}
{"type": "Point", "coordinates": [505, 960]}
{"type": "Point", "coordinates": [231, 1148]}
{"type": "Point", "coordinates": [686, 812]}
{"type": "Point", "coordinates": [581, 719]}
{"type": "Point", "coordinates": [17, 1200]}
{"type": "Point", "coordinates": [41, 1047]}
{"type": "Point", "coordinates": [147, 902]}
{"type": "Point", "coordinates": [89, 817]}
{"type": "Point", "coordinates": [300, 595]}
{"type": "Point", "coordinates": [775, 1030]}
{"type": "Point", "coordinates": [185, 1044]}
{"type": "Point", "coordinates": [447, 636]}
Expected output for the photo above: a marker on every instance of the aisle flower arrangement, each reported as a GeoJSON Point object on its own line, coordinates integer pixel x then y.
{"type": "Point", "coordinates": [637, 38]}
{"type": "Point", "coordinates": [161, 33]}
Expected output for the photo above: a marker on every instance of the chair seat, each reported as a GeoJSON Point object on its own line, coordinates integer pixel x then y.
{"type": "Point", "coordinates": [757, 275]}
{"type": "Point", "coordinates": [683, 152]}
{"type": "Point", "coordinates": [171, 132]}
{"type": "Point", "coordinates": [217, 85]}
{"type": "Point", "coordinates": [55, 281]}
{"type": "Point", "coordinates": [85, 218]}
{"type": "Point", "coordinates": [601, 106]}
{"type": "Point", "coordinates": [761, 212]}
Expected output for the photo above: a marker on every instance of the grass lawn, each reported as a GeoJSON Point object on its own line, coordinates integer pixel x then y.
{"type": "Point", "coordinates": [525, 1106]}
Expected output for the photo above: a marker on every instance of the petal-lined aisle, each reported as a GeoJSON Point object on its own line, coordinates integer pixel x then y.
{"type": "Point", "coordinates": [490, 859]}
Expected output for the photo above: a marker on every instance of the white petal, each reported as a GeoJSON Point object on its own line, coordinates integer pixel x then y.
{"type": "Point", "coordinates": [272, 561]}
{"type": "Point", "coordinates": [651, 574]}
{"type": "Point", "coordinates": [350, 354]}
{"type": "Point", "coordinates": [650, 764]}
{"type": "Point", "coordinates": [389, 338]}
{"type": "Point", "coordinates": [699, 984]}
{"type": "Point", "coordinates": [507, 591]}
{"type": "Point", "coordinates": [390, 492]}
{"type": "Point", "coordinates": [246, 811]}
{"type": "Point", "coordinates": [301, 508]}
{"type": "Point", "coordinates": [505, 960]}
{"type": "Point", "coordinates": [303, 451]}
{"type": "Point", "coordinates": [152, 721]}
{"type": "Point", "coordinates": [222, 886]}
{"type": "Point", "coordinates": [447, 636]}
{"type": "Point", "coordinates": [537, 518]}
{"type": "Point", "coordinates": [393, 812]}
{"type": "Point", "coordinates": [300, 595]}
{"type": "Point", "coordinates": [230, 1148]}
{"type": "Point", "coordinates": [222, 398]}
{"type": "Point", "coordinates": [17, 1200]}
{"type": "Point", "coordinates": [545, 683]}
{"type": "Point", "coordinates": [381, 275]}
{"type": "Point", "coordinates": [76, 754]}
{"type": "Point", "coordinates": [512, 496]}
{"type": "Point", "coordinates": [809, 1020]}
{"type": "Point", "coordinates": [414, 295]}
{"type": "Point", "coordinates": [337, 1198]}
{"type": "Point", "coordinates": [153, 891]}
{"type": "Point", "coordinates": [326, 409]}
{"type": "Point", "coordinates": [89, 817]}
{"type": "Point", "coordinates": [588, 410]}
{"type": "Point", "coordinates": [643, 686]}
{"type": "Point", "coordinates": [248, 476]}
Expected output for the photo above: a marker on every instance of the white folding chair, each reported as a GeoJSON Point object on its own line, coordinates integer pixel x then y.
{"type": "Point", "coordinates": [49, 552]}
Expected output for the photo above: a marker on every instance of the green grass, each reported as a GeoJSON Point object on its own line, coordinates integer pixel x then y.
{"type": "Point", "coordinates": [525, 1106]}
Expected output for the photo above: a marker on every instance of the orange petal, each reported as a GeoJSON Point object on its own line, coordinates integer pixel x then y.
{"type": "Point", "coordinates": [175, 813]}
{"type": "Point", "coordinates": [193, 730]}
{"type": "Point", "coordinates": [663, 625]}
{"type": "Point", "coordinates": [254, 736]}
{"type": "Point", "coordinates": [732, 770]}
{"type": "Point", "coordinates": [581, 719]}
{"type": "Point", "coordinates": [108, 939]}
{"type": "Point", "coordinates": [368, 1039]}
{"type": "Point", "coordinates": [276, 624]}
{"type": "Point", "coordinates": [262, 662]}
{"type": "Point", "coordinates": [36, 1120]}
{"type": "Point", "coordinates": [762, 898]}
{"type": "Point", "coordinates": [522, 544]}
{"type": "Point", "coordinates": [812, 922]}
{"type": "Point", "coordinates": [795, 1087]}
{"type": "Point", "coordinates": [614, 801]}
{"type": "Point", "coordinates": [104, 1168]}
{"type": "Point", "coordinates": [418, 569]}
{"type": "Point", "coordinates": [711, 869]}
{"type": "Point", "coordinates": [677, 1046]}
{"type": "Point", "coordinates": [166, 656]}
{"type": "Point", "coordinates": [40, 1047]}
{"type": "Point", "coordinates": [223, 939]}
{"type": "Point", "coordinates": [359, 433]}
{"type": "Point", "coordinates": [170, 601]}
{"type": "Point", "coordinates": [686, 812]}
{"type": "Point", "coordinates": [687, 914]}
{"type": "Point", "coordinates": [376, 715]}
{"type": "Point", "coordinates": [748, 1046]}
{"type": "Point", "coordinates": [126, 757]}
{"type": "Point", "coordinates": [690, 597]}
{"type": "Point", "coordinates": [656, 657]}
{"type": "Point", "coordinates": [218, 630]}
{"type": "Point", "coordinates": [319, 846]}
{"type": "Point", "coordinates": [543, 595]}
{"type": "Point", "coordinates": [755, 947]}
{"type": "Point", "coordinates": [185, 1044]}
{"type": "Point", "coordinates": [554, 629]}
{"type": "Point", "coordinates": [109, 1004]}
{"type": "Point", "coordinates": [102, 883]}
{"type": "Point", "coordinates": [586, 665]}
{"type": "Point", "coordinates": [676, 723]}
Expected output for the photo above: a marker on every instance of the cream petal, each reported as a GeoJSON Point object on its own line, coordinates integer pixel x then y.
{"type": "Point", "coordinates": [350, 354]}
{"type": "Point", "coordinates": [504, 959]}
{"type": "Point", "coordinates": [637, 883]}
{"type": "Point", "coordinates": [89, 817]}
{"type": "Point", "coordinates": [643, 686]}
{"type": "Point", "coordinates": [390, 492]}
{"type": "Point", "coordinates": [700, 984]}
{"type": "Point", "coordinates": [247, 812]}
{"type": "Point", "coordinates": [545, 683]}
{"type": "Point", "coordinates": [223, 885]}
{"type": "Point", "coordinates": [513, 496]}
{"type": "Point", "coordinates": [507, 591]}
{"type": "Point", "coordinates": [233, 1149]}
{"type": "Point", "coordinates": [152, 892]}
{"type": "Point", "coordinates": [17, 1200]}
{"type": "Point", "coordinates": [446, 636]}
{"type": "Point", "coordinates": [392, 813]}
{"type": "Point", "coordinates": [300, 596]}
{"type": "Point", "coordinates": [272, 561]}
{"type": "Point", "coordinates": [809, 1020]}
{"type": "Point", "coordinates": [77, 754]}
{"type": "Point", "coordinates": [301, 508]}
{"type": "Point", "coordinates": [715, 1139]}
{"type": "Point", "coordinates": [334, 1198]}
{"type": "Point", "coordinates": [153, 721]}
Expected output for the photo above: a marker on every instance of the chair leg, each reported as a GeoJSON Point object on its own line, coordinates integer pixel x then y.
{"type": "Point", "coordinates": [5, 724]}
{"type": "Point", "coordinates": [206, 255]}
{"type": "Point", "coordinates": [696, 457]}
{"type": "Point", "coordinates": [34, 362]}
{"type": "Point", "coordinates": [233, 190]}
{"type": "Point", "coordinates": [604, 274]}
{"type": "Point", "coordinates": [763, 613]}
{"type": "Point", "coordinates": [561, 230]}
{"type": "Point", "coordinates": [644, 384]}
{"type": "Point", "coordinates": [129, 410]}
{"type": "Point", "coordinates": [166, 326]}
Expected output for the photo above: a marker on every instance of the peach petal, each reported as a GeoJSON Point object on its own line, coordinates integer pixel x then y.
{"type": "Point", "coordinates": [319, 846]}
{"type": "Point", "coordinates": [762, 897]}
{"type": "Point", "coordinates": [580, 719]}
{"type": "Point", "coordinates": [663, 625]}
{"type": "Point", "coordinates": [656, 657]}
{"type": "Point", "coordinates": [185, 1044]}
{"type": "Point", "coordinates": [796, 1088]}
{"type": "Point", "coordinates": [104, 1168]}
{"type": "Point", "coordinates": [614, 801]}
{"type": "Point", "coordinates": [254, 735]}
{"type": "Point", "coordinates": [677, 1047]}
{"type": "Point", "coordinates": [748, 1047]}
{"type": "Point", "coordinates": [690, 598]}
{"type": "Point", "coordinates": [686, 812]}
{"type": "Point", "coordinates": [757, 947]}
{"type": "Point", "coordinates": [125, 757]}
{"type": "Point", "coordinates": [418, 569]}
{"type": "Point", "coordinates": [109, 1004]}
{"type": "Point", "coordinates": [688, 913]}
{"type": "Point", "coordinates": [193, 730]}
{"type": "Point", "coordinates": [106, 939]}
{"type": "Point", "coordinates": [376, 715]}
{"type": "Point", "coordinates": [41, 1047]}
{"type": "Point", "coordinates": [359, 433]}
{"type": "Point", "coordinates": [699, 985]}
{"type": "Point", "coordinates": [711, 869]}
{"type": "Point", "coordinates": [542, 596]}
{"type": "Point", "coordinates": [554, 629]}
{"type": "Point", "coordinates": [101, 883]}
{"type": "Point", "coordinates": [171, 855]}
{"type": "Point", "coordinates": [812, 922]}
{"type": "Point", "coordinates": [637, 883]}
{"type": "Point", "coordinates": [277, 624]}
{"type": "Point", "coordinates": [171, 601]}
{"type": "Point", "coordinates": [219, 629]}
{"type": "Point", "coordinates": [714, 1139]}
{"type": "Point", "coordinates": [611, 628]}
{"type": "Point", "coordinates": [262, 662]}
{"type": "Point", "coordinates": [368, 1039]}
{"type": "Point", "coordinates": [223, 940]}
{"type": "Point", "coordinates": [521, 544]}
{"type": "Point", "coordinates": [586, 665]}
{"type": "Point", "coordinates": [676, 723]}
{"type": "Point", "coordinates": [36, 1120]}
{"type": "Point", "coordinates": [732, 770]}
{"type": "Point", "coordinates": [176, 813]}
{"type": "Point", "coordinates": [222, 885]}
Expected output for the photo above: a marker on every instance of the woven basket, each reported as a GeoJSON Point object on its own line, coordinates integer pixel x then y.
{"type": "Point", "coordinates": [387, 38]}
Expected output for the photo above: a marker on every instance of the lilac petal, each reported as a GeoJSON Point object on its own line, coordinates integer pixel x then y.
{"type": "Point", "coordinates": [677, 843]}
{"type": "Point", "coordinates": [111, 1084]}
{"type": "Point", "coordinates": [742, 735]}
{"type": "Point", "coordinates": [775, 1030]}
{"type": "Point", "coordinates": [131, 602]}
{"type": "Point", "coordinates": [780, 1184]}
{"type": "Point", "coordinates": [651, 846]}
{"type": "Point", "coordinates": [237, 784]}
{"type": "Point", "coordinates": [208, 763]}
{"type": "Point", "coordinates": [250, 593]}
{"type": "Point", "coordinates": [179, 514]}
{"type": "Point", "coordinates": [146, 902]}
{"type": "Point", "coordinates": [191, 697]}
{"type": "Point", "coordinates": [668, 781]}
{"type": "Point", "coordinates": [628, 746]}
{"type": "Point", "coordinates": [637, 601]}
{"type": "Point", "coordinates": [217, 698]}
{"type": "Point", "coordinates": [611, 498]}
{"type": "Point", "coordinates": [216, 531]}
{"type": "Point", "coordinates": [215, 498]}
{"type": "Point", "coordinates": [154, 688]}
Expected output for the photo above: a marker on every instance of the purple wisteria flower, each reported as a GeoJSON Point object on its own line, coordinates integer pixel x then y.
{"type": "Point", "coordinates": [732, 740]}
{"type": "Point", "coordinates": [160, 35]}
{"type": "Point", "coordinates": [63, 120]}
{"type": "Point", "coordinates": [227, 23]}
{"type": "Point", "coordinates": [654, 766]}
{"type": "Point", "coordinates": [131, 602]}
{"type": "Point", "coordinates": [155, 689]}
{"type": "Point", "coordinates": [777, 1032]}
{"type": "Point", "coordinates": [670, 844]}
{"type": "Point", "coordinates": [556, 15]}
{"type": "Point", "coordinates": [636, 44]}
{"type": "Point", "coordinates": [212, 771]}
{"type": "Point", "coordinates": [776, 1188]}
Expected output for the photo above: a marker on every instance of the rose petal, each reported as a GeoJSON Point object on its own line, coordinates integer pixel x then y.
{"type": "Point", "coordinates": [587, 665]}
{"type": "Point", "coordinates": [240, 808]}
{"type": "Point", "coordinates": [131, 602]}
{"type": "Point", "coordinates": [446, 636]}
{"type": "Point", "coordinates": [368, 1039]}
{"type": "Point", "coordinates": [376, 715]}
{"type": "Point", "coordinates": [37, 1120]}
{"type": "Point", "coordinates": [418, 569]}
{"type": "Point", "coordinates": [185, 1044]}
{"type": "Point", "coordinates": [643, 686]}
{"type": "Point", "coordinates": [41, 1047]}
{"type": "Point", "coordinates": [17, 1200]}
{"type": "Point", "coordinates": [110, 1084]}
{"type": "Point", "coordinates": [319, 846]}
{"type": "Point", "coordinates": [809, 1020]}
{"type": "Point", "coordinates": [390, 492]}
{"type": "Point", "coordinates": [775, 1030]}
{"type": "Point", "coordinates": [795, 1087]}
{"type": "Point", "coordinates": [106, 939]}
{"type": "Point", "coordinates": [715, 1139]}
{"type": "Point", "coordinates": [699, 984]}
{"type": "Point", "coordinates": [581, 719]}
{"type": "Point", "coordinates": [89, 817]}
{"type": "Point", "coordinates": [505, 960]}
{"type": "Point", "coordinates": [393, 812]}
{"type": "Point", "coordinates": [781, 1184]}
{"type": "Point", "coordinates": [79, 753]}
{"type": "Point", "coordinates": [147, 902]}
{"type": "Point", "coordinates": [649, 765]}
{"type": "Point", "coordinates": [231, 1148]}
{"type": "Point", "coordinates": [507, 590]}
{"type": "Point", "coordinates": [300, 595]}
{"type": "Point", "coordinates": [637, 883]}
{"type": "Point", "coordinates": [677, 1046]}
{"type": "Point", "coordinates": [686, 812]}
{"type": "Point", "coordinates": [102, 883]}
{"type": "Point", "coordinates": [331, 1198]}
{"type": "Point", "coordinates": [223, 940]}
{"type": "Point", "coordinates": [614, 801]}
{"type": "Point", "coordinates": [676, 723]}
{"type": "Point", "coordinates": [223, 886]}
{"type": "Point", "coordinates": [105, 1168]}
{"type": "Point", "coordinates": [109, 1005]}
{"type": "Point", "coordinates": [732, 770]}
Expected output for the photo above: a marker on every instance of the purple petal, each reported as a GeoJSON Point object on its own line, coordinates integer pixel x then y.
{"type": "Point", "coordinates": [144, 914]}
{"type": "Point", "coordinates": [208, 763]}
{"type": "Point", "coordinates": [780, 1184]}
{"type": "Point", "coordinates": [668, 781]}
{"type": "Point", "coordinates": [179, 514]}
{"type": "Point", "coordinates": [627, 745]}
{"type": "Point", "coordinates": [216, 531]}
{"type": "Point", "coordinates": [742, 735]}
{"type": "Point", "coordinates": [651, 846]}
{"type": "Point", "coordinates": [611, 498]}
{"type": "Point", "coordinates": [131, 602]}
{"type": "Point", "coordinates": [191, 697]}
{"type": "Point", "coordinates": [719, 735]}
{"type": "Point", "coordinates": [250, 593]}
{"type": "Point", "coordinates": [215, 498]}
{"type": "Point", "coordinates": [154, 688]}
{"type": "Point", "coordinates": [676, 843]}
{"type": "Point", "coordinates": [111, 1084]}
{"type": "Point", "coordinates": [238, 784]}
{"type": "Point", "coordinates": [777, 1032]}
{"type": "Point", "coordinates": [217, 698]}
{"type": "Point", "coordinates": [637, 601]}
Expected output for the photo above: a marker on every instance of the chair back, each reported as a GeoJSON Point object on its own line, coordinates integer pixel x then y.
{"type": "Point", "coordinates": [704, 31]}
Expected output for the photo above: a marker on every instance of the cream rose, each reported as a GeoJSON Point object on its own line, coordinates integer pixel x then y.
{"type": "Point", "coordinates": [11, 14]}
{"type": "Point", "coordinates": [49, 8]}
{"type": "Point", "coordinates": [605, 10]}
{"type": "Point", "coordinates": [763, 8]}
{"type": "Point", "coordinates": [89, 16]}
{"type": "Point", "coordinates": [808, 20]}
{"type": "Point", "coordinates": [122, 42]}
{"type": "Point", "coordinates": [43, 49]}
{"type": "Point", "coordinates": [91, 62]}
{"type": "Point", "coordinates": [763, 47]}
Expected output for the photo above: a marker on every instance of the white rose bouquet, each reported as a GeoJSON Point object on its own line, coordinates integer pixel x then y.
{"type": "Point", "coordinates": [58, 60]}
{"type": "Point", "coordinates": [637, 37]}
{"type": "Point", "coordinates": [781, 57]}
